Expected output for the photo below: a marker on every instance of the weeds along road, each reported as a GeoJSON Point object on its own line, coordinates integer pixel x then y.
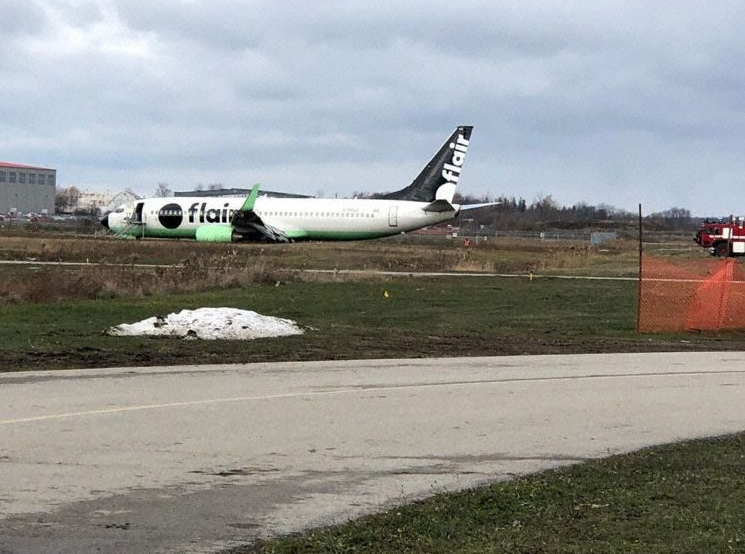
{"type": "Point", "coordinates": [368, 272]}
{"type": "Point", "coordinates": [202, 458]}
{"type": "Point", "coordinates": [363, 272]}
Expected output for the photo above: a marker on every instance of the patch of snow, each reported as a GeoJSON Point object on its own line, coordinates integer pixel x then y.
{"type": "Point", "coordinates": [210, 324]}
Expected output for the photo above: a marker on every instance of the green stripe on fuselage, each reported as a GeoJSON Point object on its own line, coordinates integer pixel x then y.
{"type": "Point", "coordinates": [299, 234]}
{"type": "Point", "coordinates": [162, 233]}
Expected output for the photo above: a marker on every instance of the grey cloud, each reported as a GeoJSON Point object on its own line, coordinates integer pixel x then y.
{"type": "Point", "coordinates": [606, 102]}
{"type": "Point", "coordinates": [20, 17]}
{"type": "Point", "coordinates": [81, 14]}
{"type": "Point", "coordinates": [227, 25]}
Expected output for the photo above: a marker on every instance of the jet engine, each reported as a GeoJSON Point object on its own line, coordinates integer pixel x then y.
{"type": "Point", "coordinates": [216, 233]}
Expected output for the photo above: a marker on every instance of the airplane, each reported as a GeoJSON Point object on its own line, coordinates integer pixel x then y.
{"type": "Point", "coordinates": [428, 200]}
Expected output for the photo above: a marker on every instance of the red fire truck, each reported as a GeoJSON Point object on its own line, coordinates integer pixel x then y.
{"type": "Point", "coordinates": [722, 237]}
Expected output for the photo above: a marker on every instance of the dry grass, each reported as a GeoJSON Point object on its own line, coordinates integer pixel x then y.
{"type": "Point", "coordinates": [52, 283]}
{"type": "Point", "coordinates": [114, 267]}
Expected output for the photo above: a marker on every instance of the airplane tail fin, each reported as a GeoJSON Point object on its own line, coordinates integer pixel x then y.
{"type": "Point", "coordinates": [438, 179]}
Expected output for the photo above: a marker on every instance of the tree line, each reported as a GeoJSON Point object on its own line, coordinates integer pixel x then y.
{"type": "Point", "coordinates": [515, 213]}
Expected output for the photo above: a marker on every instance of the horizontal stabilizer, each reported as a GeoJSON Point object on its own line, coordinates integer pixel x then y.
{"type": "Point", "coordinates": [477, 206]}
{"type": "Point", "coordinates": [439, 206]}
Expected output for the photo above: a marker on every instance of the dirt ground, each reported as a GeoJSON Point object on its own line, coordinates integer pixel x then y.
{"type": "Point", "coordinates": [433, 346]}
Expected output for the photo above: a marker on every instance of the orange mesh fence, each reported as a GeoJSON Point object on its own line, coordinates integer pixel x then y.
{"type": "Point", "coordinates": [691, 295]}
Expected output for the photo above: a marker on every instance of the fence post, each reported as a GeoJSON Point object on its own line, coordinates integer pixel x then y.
{"type": "Point", "coordinates": [639, 294]}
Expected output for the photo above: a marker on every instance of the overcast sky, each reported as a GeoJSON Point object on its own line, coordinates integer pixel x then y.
{"type": "Point", "coordinates": [614, 102]}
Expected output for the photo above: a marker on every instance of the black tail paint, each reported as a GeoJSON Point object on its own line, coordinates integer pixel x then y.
{"type": "Point", "coordinates": [442, 170]}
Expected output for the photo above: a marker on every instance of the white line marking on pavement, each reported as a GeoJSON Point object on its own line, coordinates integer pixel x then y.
{"type": "Point", "coordinates": [356, 389]}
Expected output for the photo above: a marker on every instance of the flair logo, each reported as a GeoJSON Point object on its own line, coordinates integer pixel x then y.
{"type": "Point", "coordinates": [451, 171]}
{"type": "Point", "coordinates": [199, 212]}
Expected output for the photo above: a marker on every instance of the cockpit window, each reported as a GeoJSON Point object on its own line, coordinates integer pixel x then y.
{"type": "Point", "coordinates": [119, 210]}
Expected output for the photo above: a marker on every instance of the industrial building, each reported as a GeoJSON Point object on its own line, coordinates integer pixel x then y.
{"type": "Point", "coordinates": [26, 189]}
{"type": "Point", "coordinates": [103, 202]}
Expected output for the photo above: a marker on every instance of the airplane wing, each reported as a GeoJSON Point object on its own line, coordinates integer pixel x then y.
{"type": "Point", "coordinates": [248, 224]}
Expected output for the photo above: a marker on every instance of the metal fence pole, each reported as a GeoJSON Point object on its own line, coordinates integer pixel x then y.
{"type": "Point", "coordinates": [639, 295]}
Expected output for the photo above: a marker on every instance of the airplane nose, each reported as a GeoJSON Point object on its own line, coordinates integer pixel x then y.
{"type": "Point", "coordinates": [105, 221]}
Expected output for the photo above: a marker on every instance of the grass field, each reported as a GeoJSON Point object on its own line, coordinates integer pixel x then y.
{"type": "Point", "coordinates": [114, 266]}
{"type": "Point", "coordinates": [53, 316]}
{"type": "Point", "coordinates": [419, 317]}
{"type": "Point", "coordinates": [680, 498]}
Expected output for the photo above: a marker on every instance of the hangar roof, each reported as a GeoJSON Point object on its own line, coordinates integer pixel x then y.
{"type": "Point", "coordinates": [20, 166]}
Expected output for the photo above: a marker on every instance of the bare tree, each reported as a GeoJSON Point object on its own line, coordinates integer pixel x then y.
{"type": "Point", "coordinates": [73, 196]}
{"type": "Point", "coordinates": [67, 199]}
{"type": "Point", "coordinates": [60, 202]}
{"type": "Point", "coordinates": [674, 218]}
{"type": "Point", "coordinates": [163, 190]}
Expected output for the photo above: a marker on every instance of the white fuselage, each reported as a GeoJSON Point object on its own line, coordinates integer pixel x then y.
{"type": "Point", "coordinates": [428, 200]}
{"type": "Point", "coordinates": [296, 218]}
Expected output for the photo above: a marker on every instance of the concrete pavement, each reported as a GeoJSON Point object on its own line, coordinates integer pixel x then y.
{"type": "Point", "coordinates": [201, 458]}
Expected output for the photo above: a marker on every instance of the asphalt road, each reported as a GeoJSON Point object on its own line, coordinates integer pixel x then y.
{"type": "Point", "coordinates": [202, 458]}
